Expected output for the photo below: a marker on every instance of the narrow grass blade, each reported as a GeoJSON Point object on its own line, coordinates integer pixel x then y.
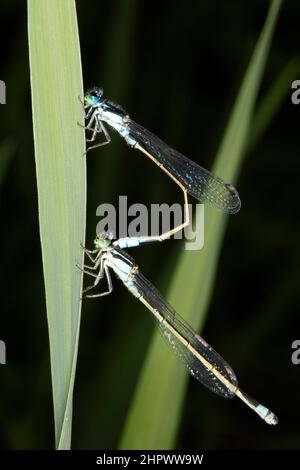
{"type": "Point", "coordinates": [154, 416]}
{"type": "Point", "coordinates": [273, 99]}
{"type": "Point", "coordinates": [56, 83]}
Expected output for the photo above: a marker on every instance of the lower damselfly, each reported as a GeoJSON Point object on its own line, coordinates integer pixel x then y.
{"type": "Point", "coordinates": [201, 360]}
{"type": "Point", "coordinates": [191, 178]}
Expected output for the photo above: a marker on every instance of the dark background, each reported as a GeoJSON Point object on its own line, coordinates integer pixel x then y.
{"type": "Point", "coordinates": [176, 68]}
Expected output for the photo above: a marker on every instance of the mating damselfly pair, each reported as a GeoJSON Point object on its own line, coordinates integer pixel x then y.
{"type": "Point", "coordinates": [201, 360]}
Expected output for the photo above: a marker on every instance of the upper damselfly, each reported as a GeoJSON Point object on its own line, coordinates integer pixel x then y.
{"type": "Point", "coordinates": [201, 360]}
{"type": "Point", "coordinates": [192, 179]}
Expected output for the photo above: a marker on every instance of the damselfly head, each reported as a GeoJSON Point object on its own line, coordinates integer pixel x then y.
{"type": "Point", "coordinates": [103, 240]}
{"type": "Point", "coordinates": [93, 96]}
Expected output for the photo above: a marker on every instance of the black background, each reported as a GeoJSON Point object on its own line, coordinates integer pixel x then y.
{"type": "Point", "coordinates": [176, 68]}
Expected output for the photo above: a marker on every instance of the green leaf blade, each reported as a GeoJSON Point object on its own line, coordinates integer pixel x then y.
{"type": "Point", "coordinates": [56, 83]}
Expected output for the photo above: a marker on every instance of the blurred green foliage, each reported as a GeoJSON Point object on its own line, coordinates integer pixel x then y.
{"type": "Point", "coordinates": [154, 416]}
{"type": "Point", "coordinates": [176, 70]}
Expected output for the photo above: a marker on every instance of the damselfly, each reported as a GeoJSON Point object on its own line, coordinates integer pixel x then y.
{"type": "Point", "coordinates": [190, 177]}
{"type": "Point", "coordinates": [202, 361]}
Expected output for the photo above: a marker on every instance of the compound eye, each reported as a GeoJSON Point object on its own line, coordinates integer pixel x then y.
{"type": "Point", "coordinates": [97, 92]}
{"type": "Point", "coordinates": [93, 96]}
